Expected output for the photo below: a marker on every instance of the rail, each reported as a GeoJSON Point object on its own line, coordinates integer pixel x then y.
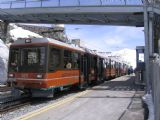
{"type": "Point", "coordinates": [8, 4]}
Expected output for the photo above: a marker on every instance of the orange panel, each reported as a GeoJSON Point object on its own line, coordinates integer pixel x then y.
{"type": "Point", "coordinates": [57, 78]}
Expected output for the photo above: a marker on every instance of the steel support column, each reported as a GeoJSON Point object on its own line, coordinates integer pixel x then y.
{"type": "Point", "coordinates": [146, 31]}
{"type": "Point", "coordinates": [151, 37]}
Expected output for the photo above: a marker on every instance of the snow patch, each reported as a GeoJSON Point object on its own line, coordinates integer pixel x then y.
{"type": "Point", "coordinates": [16, 32]}
{"type": "Point", "coordinates": [19, 32]}
{"type": "Point", "coordinates": [4, 53]}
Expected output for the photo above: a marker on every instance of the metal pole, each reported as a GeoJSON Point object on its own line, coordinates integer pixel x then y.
{"type": "Point", "coordinates": [11, 4]}
{"type": "Point", "coordinates": [146, 30]}
{"type": "Point", "coordinates": [59, 3]}
{"type": "Point", "coordinates": [41, 3]}
{"type": "Point", "coordinates": [25, 3]}
{"type": "Point", "coordinates": [125, 2]}
{"type": "Point", "coordinates": [101, 2]}
{"type": "Point", "coordinates": [151, 41]}
{"type": "Point", "coordinates": [79, 3]}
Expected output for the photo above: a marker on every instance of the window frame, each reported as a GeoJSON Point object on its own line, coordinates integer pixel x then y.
{"type": "Point", "coordinates": [24, 68]}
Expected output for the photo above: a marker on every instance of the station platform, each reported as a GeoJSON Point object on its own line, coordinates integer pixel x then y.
{"type": "Point", "coordinates": [118, 99]}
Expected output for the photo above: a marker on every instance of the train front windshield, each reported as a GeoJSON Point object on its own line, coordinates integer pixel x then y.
{"type": "Point", "coordinates": [27, 59]}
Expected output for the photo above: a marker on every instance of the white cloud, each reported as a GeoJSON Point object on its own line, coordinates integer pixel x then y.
{"type": "Point", "coordinates": [114, 40]}
{"type": "Point", "coordinates": [109, 38]}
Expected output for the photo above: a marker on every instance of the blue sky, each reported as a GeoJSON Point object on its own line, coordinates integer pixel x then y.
{"type": "Point", "coordinates": [107, 38]}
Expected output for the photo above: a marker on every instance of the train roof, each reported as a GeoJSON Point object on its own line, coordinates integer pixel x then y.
{"type": "Point", "coordinates": [22, 41]}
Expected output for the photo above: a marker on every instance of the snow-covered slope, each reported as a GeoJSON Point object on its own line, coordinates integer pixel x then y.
{"type": "Point", "coordinates": [18, 32]}
{"type": "Point", "coordinates": [4, 53]}
{"type": "Point", "coordinates": [127, 55]}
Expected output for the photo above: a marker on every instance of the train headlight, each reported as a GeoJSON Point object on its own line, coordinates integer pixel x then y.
{"type": "Point", "coordinates": [39, 76]}
{"type": "Point", "coordinates": [28, 41]}
{"type": "Point", "coordinates": [11, 75]}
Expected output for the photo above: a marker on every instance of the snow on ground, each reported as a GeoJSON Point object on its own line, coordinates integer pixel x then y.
{"type": "Point", "coordinates": [4, 53]}
{"type": "Point", "coordinates": [127, 55]}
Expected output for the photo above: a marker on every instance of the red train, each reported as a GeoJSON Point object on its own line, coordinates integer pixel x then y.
{"type": "Point", "coordinates": [42, 65]}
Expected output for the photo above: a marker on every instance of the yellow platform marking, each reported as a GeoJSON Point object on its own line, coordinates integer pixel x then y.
{"type": "Point", "coordinates": [53, 105]}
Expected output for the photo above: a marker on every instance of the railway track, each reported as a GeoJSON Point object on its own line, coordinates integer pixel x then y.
{"type": "Point", "coordinates": [15, 102]}
{"type": "Point", "coordinates": [11, 103]}
{"type": "Point", "coordinates": [5, 88]}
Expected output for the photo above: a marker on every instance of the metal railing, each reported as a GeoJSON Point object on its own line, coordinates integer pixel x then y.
{"type": "Point", "coordinates": [63, 3]}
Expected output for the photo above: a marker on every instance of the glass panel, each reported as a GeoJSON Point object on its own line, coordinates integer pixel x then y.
{"type": "Point", "coordinates": [134, 2]}
{"type": "Point", "coordinates": [75, 60]}
{"type": "Point", "coordinates": [55, 59]}
{"type": "Point", "coordinates": [27, 59]}
{"type": "Point", "coordinates": [18, 5]}
{"type": "Point", "coordinates": [113, 2]}
{"type": "Point", "coordinates": [69, 3]}
{"type": "Point", "coordinates": [67, 59]}
{"type": "Point", "coordinates": [50, 3]}
{"type": "Point", "coordinates": [141, 57]}
{"type": "Point", "coordinates": [14, 60]}
{"type": "Point", "coordinates": [5, 5]}
{"type": "Point", "coordinates": [30, 56]}
{"type": "Point", "coordinates": [90, 2]}
{"type": "Point", "coordinates": [33, 4]}
{"type": "Point", "coordinates": [42, 56]}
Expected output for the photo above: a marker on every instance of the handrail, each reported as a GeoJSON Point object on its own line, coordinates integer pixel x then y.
{"type": "Point", "coordinates": [63, 3]}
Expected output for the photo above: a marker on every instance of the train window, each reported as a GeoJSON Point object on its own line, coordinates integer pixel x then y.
{"type": "Point", "coordinates": [55, 59]}
{"type": "Point", "coordinates": [67, 59]}
{"type": "Point", "coordinates": [93, 62]}
{"type": "Point", "coordinates": [42, 55]}
{"type": "Point", "coordinates": [104, 64]}
{"type": "Point", "coordinates": [112, 64]}
{"type": "Point", "coordinates": [75, 60]}
{"type": "Point", "coordinates": [14, 59]}
{"type": "Point", "coordinates": [33, 56]}
{"type": "Point", "coordinates": [27, 59]}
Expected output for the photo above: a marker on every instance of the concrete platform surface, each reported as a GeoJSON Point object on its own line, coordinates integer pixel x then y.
{"type": "Point", "coordinates": [118, 99]}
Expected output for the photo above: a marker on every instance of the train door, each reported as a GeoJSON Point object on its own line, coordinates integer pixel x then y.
{"type": "Point", "coordinates": [96, 61]}
{"type": "Point", "coordinates": [101, 69]}
{"type": "Point", "coordinates": [84, 71]}
{"type": "Point", "coordinates": [97, 68]}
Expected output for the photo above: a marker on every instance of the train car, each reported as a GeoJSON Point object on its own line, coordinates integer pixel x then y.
{"type": "Point", "coordinates": [94, 63]}
{"type": "Point", "coordinates": [41, 65]}
{"type": "Point", "coordinates": [107, 70]}
{"type": "Point", "coordinates": [113, 69]}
